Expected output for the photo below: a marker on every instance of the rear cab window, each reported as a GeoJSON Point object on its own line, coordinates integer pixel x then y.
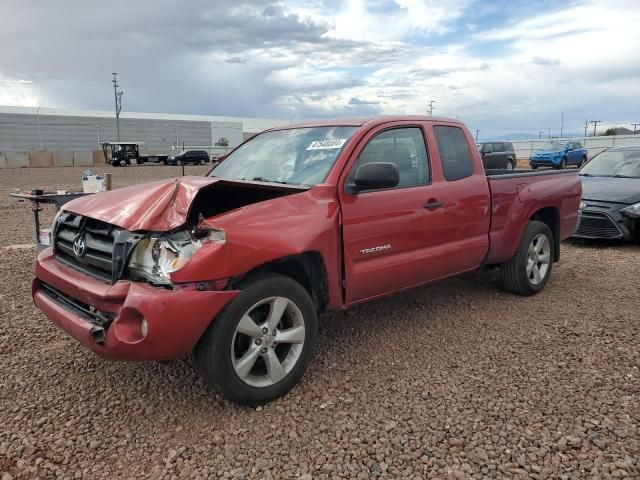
{"type": "Point", "coordinates": [455, 156]}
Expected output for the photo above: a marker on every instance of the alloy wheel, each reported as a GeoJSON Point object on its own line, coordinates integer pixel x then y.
{"type": "Point", "coordinates": [268, 342]}
{"type": "Point", "coordinates": [538, 259]}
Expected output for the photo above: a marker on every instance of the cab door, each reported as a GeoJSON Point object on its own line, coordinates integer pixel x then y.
{"type": "Point", "coordinates": [399, 237]}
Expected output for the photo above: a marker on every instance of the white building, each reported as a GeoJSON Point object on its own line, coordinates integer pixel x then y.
{"type": "Point", "coordinates": [25, 128]}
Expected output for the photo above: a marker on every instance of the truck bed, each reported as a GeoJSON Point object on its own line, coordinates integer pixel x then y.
{"type": "Point", "coordinates": [516, 195]}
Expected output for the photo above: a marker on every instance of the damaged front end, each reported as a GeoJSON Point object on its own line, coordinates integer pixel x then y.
{"type": "Point", "coordinates": [157, 256]}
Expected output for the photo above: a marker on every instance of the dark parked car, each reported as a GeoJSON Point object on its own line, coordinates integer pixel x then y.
{"type": "Point", "coordinates": [558, 155]}
{"type": "Point", "coordinates": [611, 195]}
{"type": "Point", "coordinates": [497, 155]}
{"type": "Point", "coordinates": [189, 156]}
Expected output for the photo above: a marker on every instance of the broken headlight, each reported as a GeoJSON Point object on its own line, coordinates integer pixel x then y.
{"type": "Point", "coordinates": [155, 258]}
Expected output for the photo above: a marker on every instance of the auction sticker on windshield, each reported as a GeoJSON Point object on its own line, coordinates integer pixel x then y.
{"type": "Point", "coordinates": [327, 144]}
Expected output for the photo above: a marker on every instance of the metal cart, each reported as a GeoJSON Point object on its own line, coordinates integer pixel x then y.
{"type": "Point", "coordinates": [56, 199]}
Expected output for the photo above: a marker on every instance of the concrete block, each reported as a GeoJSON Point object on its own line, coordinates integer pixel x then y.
{"type": "Point", "coordinates": [17, 159]}
{"type": "Point", "coordinates": [63, 158]}
{"type": "Point", "coordinates": [40, 158]}
{"type": "Point", "coordinates": [83, 159]}
{"type": "Point", "coordinates": [3, 160]}
{"type": "Point", "coordinates": [98, 157]}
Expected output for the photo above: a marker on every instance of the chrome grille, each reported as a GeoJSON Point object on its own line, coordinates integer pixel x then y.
{"type": "Point", "coordinates": [99, 238]}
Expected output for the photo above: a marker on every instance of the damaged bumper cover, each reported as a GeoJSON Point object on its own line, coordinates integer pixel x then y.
{"type": "Point", "coordinates": [127, 320]}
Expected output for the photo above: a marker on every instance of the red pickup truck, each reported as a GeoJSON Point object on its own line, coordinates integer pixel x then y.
{"type": "Point", "coordinates": [235, 267]}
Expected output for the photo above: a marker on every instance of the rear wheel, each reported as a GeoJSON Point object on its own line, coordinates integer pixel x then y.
{"type": "Point", "coordinates": [583, 160]}
{"type": "Point", "coordinates": [510, 164]}
{"type": "Point", "coordinates": [260, 345]}
{"type": "Point", "coordinates": [528, 271]}
{"type": "Point", "coordinates": [534, 167]}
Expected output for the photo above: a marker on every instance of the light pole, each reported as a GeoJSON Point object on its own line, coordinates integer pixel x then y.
{"type": "Point", "coordinates": [595, 124]}
{"type": "Point", "coordinates": [477, 131]}
{"type": "Point", "coordinates": [540, 134]}
{"type": "Point", "coordinates": [635, 126]}
{"type": "Point", "coordinates": [430, 111]}
{"type": "Point", "coordinates": [98, 133]}
{"type": "Point", "coordinates": [118, 99]}
{"type": "Point", "coordinates": [561, 124]}
{"type": "Point", "coordinates": [177, 142]}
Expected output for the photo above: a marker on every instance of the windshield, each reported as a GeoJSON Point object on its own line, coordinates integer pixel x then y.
{"type": "Point", "coordinates": [553, 146]}
{"type": "Point", "coordinates": [621, 163]}
{"type": "Point", "coordinates": [299, 156]}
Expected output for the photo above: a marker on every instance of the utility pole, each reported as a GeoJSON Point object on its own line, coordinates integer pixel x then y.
{"type": "Point", "coordinates": [430, 111]}
{"type": "Point", "coordinates": [540, 134]}
{"type": "Point", "coordinates": [117, 95]}
{"type": "Point", "coordinates": [586, 124]}
{"type": "Point", "coordinates": [478, 131]}
{"type": "Point", "coordinates": [595, 124]}
{"type": "Point", "coordinates": [635, 127]}
{"type": "Point", "coordinates": [561, 124]}
{"type": "Point", "coordinates": [549, 133]}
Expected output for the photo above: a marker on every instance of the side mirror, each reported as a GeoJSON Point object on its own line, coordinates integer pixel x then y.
{"type": "Point", "coordinates": [377, 175]}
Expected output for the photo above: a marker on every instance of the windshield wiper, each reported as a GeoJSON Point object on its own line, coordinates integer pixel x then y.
{"type": "Point", "coordinates": [262, 179]}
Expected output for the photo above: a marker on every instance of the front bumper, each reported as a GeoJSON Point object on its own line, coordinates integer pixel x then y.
{"type": "Point", "coordinates": [175, 319]}
{"type": "Point", "coordinates": [541, 161]}
{"type": "Point", "coordinates": [603, 221]}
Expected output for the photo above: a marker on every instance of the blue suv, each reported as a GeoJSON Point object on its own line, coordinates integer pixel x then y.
{"type": "Point", "coordinates": [558, 155]}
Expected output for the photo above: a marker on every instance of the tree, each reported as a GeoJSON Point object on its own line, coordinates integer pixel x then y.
{"type": "Point", "coordinates": [610, 131]}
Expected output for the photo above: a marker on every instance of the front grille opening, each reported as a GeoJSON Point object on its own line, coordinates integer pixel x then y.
{"type": "Point", "coordinates": [96, 317]}
{"type": "Point", "coordinates": [597, 225]}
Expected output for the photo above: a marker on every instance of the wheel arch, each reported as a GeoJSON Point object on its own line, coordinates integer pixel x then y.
{"type": "Point", "coordinates": [307, 268]}
{"type": "Point", "coordinates": [551, 217]}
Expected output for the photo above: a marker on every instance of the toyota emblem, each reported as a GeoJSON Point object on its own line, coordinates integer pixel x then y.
{"type": "Point", "coordinates": [79, 245]}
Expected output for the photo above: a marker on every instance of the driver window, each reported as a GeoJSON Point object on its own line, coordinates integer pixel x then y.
{"type": "Point", "coordinates": [405, 148]}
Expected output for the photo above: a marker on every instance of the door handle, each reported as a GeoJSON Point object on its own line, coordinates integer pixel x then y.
{"type": "Point", "coordinates": [432, 204]}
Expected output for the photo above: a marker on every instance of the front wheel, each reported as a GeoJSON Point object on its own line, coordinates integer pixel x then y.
{"type": "Point", "coordinates": [534, 167]}
{"type": "Point", "coordinates": [203, 161]}
{"type": "Point", "coordinates": [510, 165]}
{"type": "Point", "coordinates": [260, 345]}
{"type": "Point", "coordinates": [528, 271]}
{"type": "Point", "coordinates": [123, 163]}
{"type": "Point", "coordinates": [179, 163]}
{"type": "Point", "coordinates": [583, 160]}
{"type": "Point", "coordinates": [562, 165]}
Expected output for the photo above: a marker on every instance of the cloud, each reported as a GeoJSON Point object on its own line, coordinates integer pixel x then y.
{"type": "Point", "coordinates": [497, 68]}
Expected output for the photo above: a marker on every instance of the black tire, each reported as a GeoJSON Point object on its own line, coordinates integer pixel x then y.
{"type": "Point", "coordinates": [563, 164]}
{"type": "Point", "coordinates": [534, 167]}
{"type": "Point", "coordinates": [513, 273]}
{"type": "Point", "coordinates": [510, 164]}
{"type": "Point", "coordinates": [583, 160]}
{"type": "Point", "coordinates": [203, 161]}
{"type": "Point", "coordinates": [213, 354]}
{"type": "Point", "coordinates": [123, 163]}
{"type": "Point", "coordinates": [165, 162]}
{"type": "Point", "coordinates": [179, 163]}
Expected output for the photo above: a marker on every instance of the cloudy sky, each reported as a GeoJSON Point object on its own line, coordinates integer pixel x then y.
{"type": "Point", "coordinates": [501, 66]}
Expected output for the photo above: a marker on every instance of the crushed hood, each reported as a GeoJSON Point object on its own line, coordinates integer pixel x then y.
{"type": "Point", "coordinates": [164, 205]}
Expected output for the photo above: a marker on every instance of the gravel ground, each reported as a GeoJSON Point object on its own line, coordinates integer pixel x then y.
{"type": "Point", "coordinates": [454, 380]}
